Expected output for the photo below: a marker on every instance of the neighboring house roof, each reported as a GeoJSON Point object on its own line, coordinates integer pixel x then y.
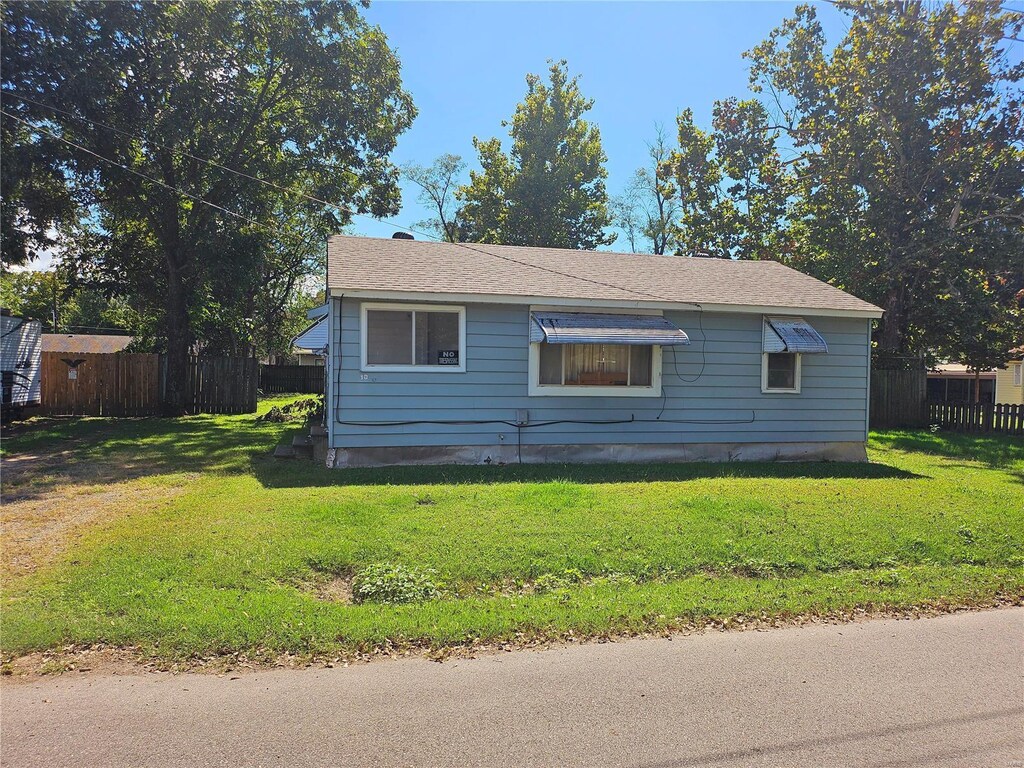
{"type": "Point", "coordinates": [84, 342]}
{"type": "Point", "coordinates": [313, 338]}
{"type": "Point", "coordinates": [375, 266]}
{"type": "Point", "coordinates": [957, 370]}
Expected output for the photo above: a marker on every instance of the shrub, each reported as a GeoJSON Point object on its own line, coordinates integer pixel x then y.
{"type": "Point", "coordinates": [390, 583]}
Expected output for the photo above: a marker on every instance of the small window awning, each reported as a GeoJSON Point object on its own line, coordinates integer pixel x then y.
{"type": "Point", "coordinates": [313, 338]}
{"type": "Point", "coordinates": [792, 334]}
{"type": "Point", "coordinates": [587, 328]}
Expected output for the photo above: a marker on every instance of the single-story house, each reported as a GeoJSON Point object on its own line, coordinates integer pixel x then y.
{"type": "Point", "coordinates": [310, 346]}
{"type": "Point", "coordinates": [469, 353]}
{"type": "Point", "coordinates": [91, 343]}
{"type": "Point", "coordinates": [1010, 380]}
{"type": "Point", "coordinates": [954, 383]}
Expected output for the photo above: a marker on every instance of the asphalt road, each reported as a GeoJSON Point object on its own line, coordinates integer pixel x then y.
{"type": "Point", "coordinates": [946, 691]}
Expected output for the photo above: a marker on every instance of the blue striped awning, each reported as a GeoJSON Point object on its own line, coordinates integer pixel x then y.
{"type": "Point", "coordinates": [792, 334]}
{"type": "Point", "coordinates": [586, 328]}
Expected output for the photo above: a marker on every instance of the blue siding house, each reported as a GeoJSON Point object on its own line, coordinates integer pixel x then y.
{"type": "Point", "coordinates": [469, 353]}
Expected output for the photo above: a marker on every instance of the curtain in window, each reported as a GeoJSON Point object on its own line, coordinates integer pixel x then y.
{"type": "Point", "coordinates": [597, 364]}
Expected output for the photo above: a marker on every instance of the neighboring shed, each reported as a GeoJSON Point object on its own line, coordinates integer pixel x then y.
{"type": "Point", "coordinates": [92, 343]}
{"type": "Point", "coordinates": [442, 352]}
{"type": "Point", "coordinates": [19, 363]}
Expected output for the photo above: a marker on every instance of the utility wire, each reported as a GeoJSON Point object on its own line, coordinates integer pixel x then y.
{"type": "Point", "coordinates": [258, 224]}
{"type": "Point", "coordinates": [346, 211]}
{"type": "Point", "coordinates": [189, 195]}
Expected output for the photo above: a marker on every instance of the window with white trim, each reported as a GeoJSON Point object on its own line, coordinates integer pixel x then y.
{"type": "Point", "coordinates": [401, 337]}
{"type": "Point", "coordinates": [595, 369]}
{"type": "Point", "coordinates": [1016, 374]}
{"type": "Point", "coordinates": [780, 372]}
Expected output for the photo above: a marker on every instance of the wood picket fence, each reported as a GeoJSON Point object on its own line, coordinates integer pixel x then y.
{"type": "Point", "coordinates": [978, 417]}
{"type": "Point", "coordinates": [292, 378]}
{"type": "Point", "coordinates": [132, 384]}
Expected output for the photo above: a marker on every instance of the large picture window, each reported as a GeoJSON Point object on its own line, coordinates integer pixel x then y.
{"type": "Point", "coordinates": [585, 369]}
{"type": "Point", "coordinates": [406, 337]}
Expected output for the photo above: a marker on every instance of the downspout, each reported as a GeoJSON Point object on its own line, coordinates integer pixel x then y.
{"type": "Point", "coordinates": [867, 389]}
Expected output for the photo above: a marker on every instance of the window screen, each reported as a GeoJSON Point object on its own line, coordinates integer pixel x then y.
{"type": "Point", "coordinates": [413, 337]}
{"type": "Point", "coordinates": [781, 370]}
{"type": "Point", "coordinates": [596, 365]}
{"type": "Point", "coordinates": [388, 337]}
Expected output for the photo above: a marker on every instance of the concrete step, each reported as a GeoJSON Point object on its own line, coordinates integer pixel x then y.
{"type": "Point", "coordinates": [284, 452]}
{"type": "Point", "coordinates": [318, 430]}
{"type": "Point", "coordinates": [302, 446]}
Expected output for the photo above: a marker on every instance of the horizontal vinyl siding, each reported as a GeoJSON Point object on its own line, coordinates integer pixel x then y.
{"type": "Point", "coordinates": [1006, 392]}
{"type": "Point", "coordinates": [727, 387]}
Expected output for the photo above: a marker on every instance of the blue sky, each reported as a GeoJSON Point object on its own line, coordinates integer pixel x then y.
{"type": "Point", "coordinates": [465, 65]}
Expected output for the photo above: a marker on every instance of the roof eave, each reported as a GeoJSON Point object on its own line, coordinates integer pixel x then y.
{"type": "Point", "coordinates": [869, 312]}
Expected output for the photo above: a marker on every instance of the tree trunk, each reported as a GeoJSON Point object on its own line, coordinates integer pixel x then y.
{"type": "Point", "coordinates": [175, 395]}
{"type": "Point", "coordinates": [977, 386]}
{"type": "Point", "coordinates": [891, 337]}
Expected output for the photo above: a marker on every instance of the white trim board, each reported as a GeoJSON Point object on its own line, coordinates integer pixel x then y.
{"type": "Point", "coordinates": [602, 304]}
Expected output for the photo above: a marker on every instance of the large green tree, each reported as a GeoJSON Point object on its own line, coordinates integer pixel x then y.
{"type": "Point", "coordinates": [549, 190]}
{"type": "Point", "coordinates": [734, 190]}
{"type": "Point", "coordinates": [910, 159]}
{"type": "Point", "coordinates": [159, 99]}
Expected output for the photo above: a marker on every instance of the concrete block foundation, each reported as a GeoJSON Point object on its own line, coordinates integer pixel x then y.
{"type": "Point", "coordinates": [593, 454]}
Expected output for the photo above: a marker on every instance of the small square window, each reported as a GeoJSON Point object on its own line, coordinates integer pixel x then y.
{"type": "Point", "coordinates": [780, 372]}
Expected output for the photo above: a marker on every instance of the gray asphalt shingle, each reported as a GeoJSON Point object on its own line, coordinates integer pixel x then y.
{"type": "Point", "coordinates": [416, 266]}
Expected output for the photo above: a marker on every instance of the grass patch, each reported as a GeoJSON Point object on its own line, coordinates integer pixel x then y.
{"type": "Point", "coordinates": [253, 555]}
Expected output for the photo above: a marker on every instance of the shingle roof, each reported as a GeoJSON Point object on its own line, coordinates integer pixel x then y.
{"type": "Point", "coordinates": [84, 342]}
{"type": "Point", "coordinates": [415, 266]}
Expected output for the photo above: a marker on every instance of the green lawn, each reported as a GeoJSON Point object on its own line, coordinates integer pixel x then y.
{"type": "Point", "coordinates": [215, 548]}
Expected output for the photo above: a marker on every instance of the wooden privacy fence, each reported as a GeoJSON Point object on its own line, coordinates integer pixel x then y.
{"type": "Point", "coordinates": [978, 417]}
{"type": "Point", "coordinates": [221, 384]}
{"type": "Point", "coordinates": [898, 398]}
{"type": "Point", "coordinates": [132, 384]}
{"type": "Point", "coordinates": [87, 384]}
{"type": "Point", "coordinates": [292, 378]}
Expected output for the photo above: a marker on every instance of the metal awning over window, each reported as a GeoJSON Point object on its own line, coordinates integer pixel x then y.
{"type": "Point", "coordinates": [792, 334]}
{"type": "Point", "coordinates": [586, 328]}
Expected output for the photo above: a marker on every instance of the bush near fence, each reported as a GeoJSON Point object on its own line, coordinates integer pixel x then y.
{"type": "Point", "coordinates": [307, 379]}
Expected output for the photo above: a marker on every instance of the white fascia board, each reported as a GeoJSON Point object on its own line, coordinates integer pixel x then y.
{"type": "Point", "coordinates": [317, 312]}
{"type": "Point", "coordinates": [548, 301]}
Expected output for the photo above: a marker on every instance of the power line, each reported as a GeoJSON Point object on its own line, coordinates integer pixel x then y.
{"type": "Point", "coordinates": [88, 151]}
{"type": "Point", "coordinates": [643, 294]}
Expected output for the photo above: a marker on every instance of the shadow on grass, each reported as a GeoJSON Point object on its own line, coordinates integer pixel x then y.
{"type": "Point", "coordinates": [305, 473]}
{"type": "Point", "coordinates": [47, 452]}
{"type": "Point", "coordinates": [995, 451]}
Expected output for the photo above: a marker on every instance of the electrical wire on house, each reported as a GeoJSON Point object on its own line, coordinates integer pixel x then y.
{"type": "Point", "coordinates": [644, 295]}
